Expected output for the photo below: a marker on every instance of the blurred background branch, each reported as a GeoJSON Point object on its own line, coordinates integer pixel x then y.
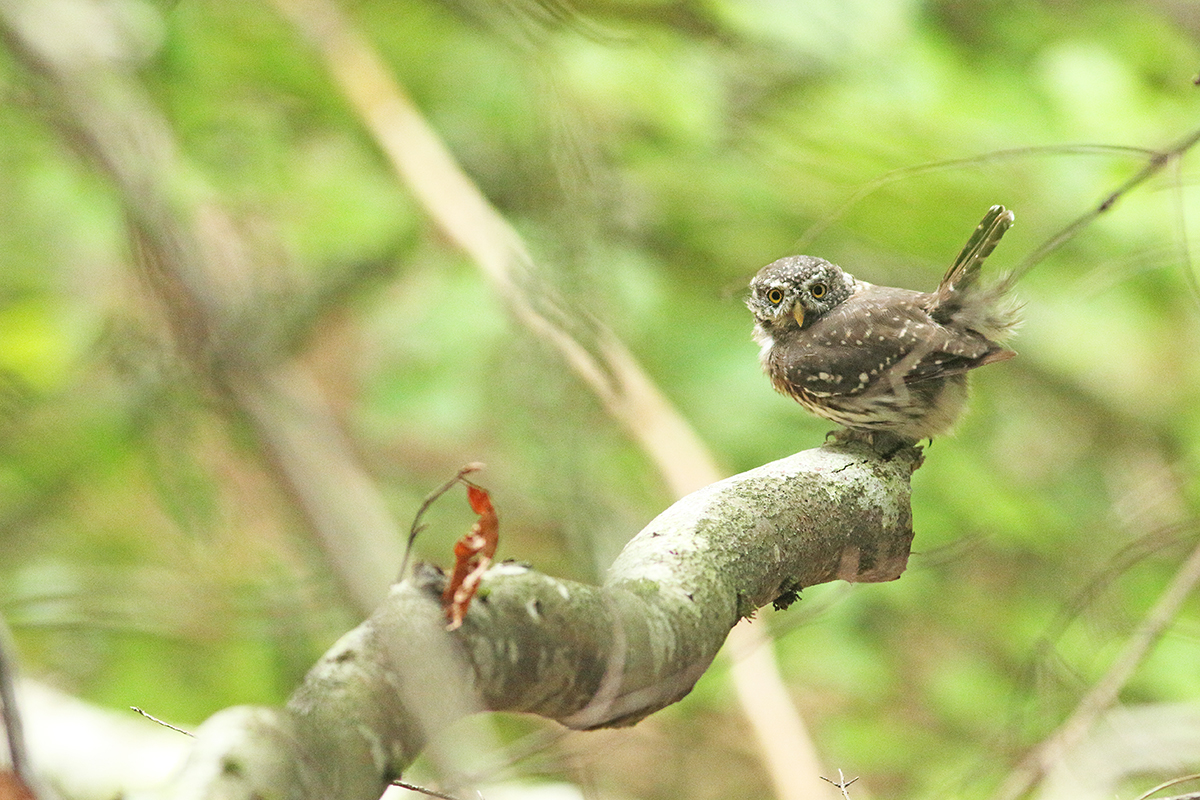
{"type": "Point", "coordinates": [1103, 695]}
{"type": "Point", "coordinates": [17, 771]}
{"type": "Point", "coordinates": [203, 275]}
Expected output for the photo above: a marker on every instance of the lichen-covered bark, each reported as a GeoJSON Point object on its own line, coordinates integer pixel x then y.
{"type": "Point", "coordinates": [586, 656]}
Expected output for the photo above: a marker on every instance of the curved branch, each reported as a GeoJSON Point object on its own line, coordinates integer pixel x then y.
{"type": "Point", "coordinates": [586, 656]}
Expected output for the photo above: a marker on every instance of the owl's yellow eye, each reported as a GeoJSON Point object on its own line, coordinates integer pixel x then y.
{"type": "Point", "coordinates": [818, 290]}
{"type": "Point", "coordinates": [775, 296]}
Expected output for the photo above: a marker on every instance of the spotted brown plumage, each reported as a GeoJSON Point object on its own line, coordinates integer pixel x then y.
{"type": "Point", "coordinates": [880, 358]}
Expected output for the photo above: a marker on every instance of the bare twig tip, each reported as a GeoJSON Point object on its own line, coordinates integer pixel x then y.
{"type": "Point", "coordinates": [417, 527]}
{"type": "Point", "coordinates": [841, 783]}
{"type": "Point", "coordinates": [153, 718]}
{"type": "Point", "coordinates": [1169, 784]}
{"type": "Point", "coordinates": [412, 787]}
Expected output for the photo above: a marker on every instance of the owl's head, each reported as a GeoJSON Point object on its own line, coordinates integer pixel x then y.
{"type": "Point", "coordinates": [794, 292]}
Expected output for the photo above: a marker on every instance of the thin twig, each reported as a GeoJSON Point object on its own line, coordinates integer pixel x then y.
{"type": "Point", "coordinates": [1181, 232]}
{"type": "Point", "coordinates": [164, 723]}
{"type": "Point", "coordinates": [841, 783]}
{"type": "Point", "coordinates": [11, 714]}
{"type": "Point", "coordinates": [518, 751]}
{"type": "Point", "coordinates": [1155, 161]}
{"type": "Point", "coordinates": [1119, 563]}
{"type": "Point", "coordinates": [1101, 696]}
{"type": "Point", "coordinates": [1155, 164]}
{"type": "Point", "coordinates": [905, 173]}
{"type": "Point", "coordinates": [417, 527]}
{"type": "Point", "coordinates": [1170, 783]}
{"type": "Point", "coordinates": [412, 787]}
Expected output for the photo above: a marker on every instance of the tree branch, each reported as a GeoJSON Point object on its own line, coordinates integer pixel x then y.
{"type": "Point", "coordinates": [588, 657]}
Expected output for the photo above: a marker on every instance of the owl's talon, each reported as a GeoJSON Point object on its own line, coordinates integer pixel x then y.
{"type": "Point", "coordinates": [885, 444]}
{"type": "Point", "coordinates": [850, 436]}
{"type": "Point", "coordinates": [888, 445]}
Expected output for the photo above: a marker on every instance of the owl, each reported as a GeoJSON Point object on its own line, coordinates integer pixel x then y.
{"type": "Point", "coordinates": [878, 358]}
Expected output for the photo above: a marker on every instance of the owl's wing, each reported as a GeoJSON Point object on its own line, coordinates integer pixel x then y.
{"type": "Point", "coordinates": [880, 337]}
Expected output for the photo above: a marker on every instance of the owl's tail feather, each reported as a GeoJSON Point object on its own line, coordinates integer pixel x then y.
{"type": "Point", "coordinates": [983, 241]}
{"type": "Point", "coordinates": [986, 309]}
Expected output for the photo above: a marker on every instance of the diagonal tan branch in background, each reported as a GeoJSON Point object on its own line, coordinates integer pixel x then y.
{"type": "Point", "coordinates": [1105, 692]}
{"type": "Point", "coordinates": [466, 217]}
{"type": "Point", "coordinates": [469, 220]}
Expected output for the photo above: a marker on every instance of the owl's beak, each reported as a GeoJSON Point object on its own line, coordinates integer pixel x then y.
{"type": "Point", "coordinates": [798, 313]}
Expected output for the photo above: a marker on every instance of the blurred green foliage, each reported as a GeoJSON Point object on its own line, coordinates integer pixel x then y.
{"type": "Point", "coordinates": [654, 153]}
